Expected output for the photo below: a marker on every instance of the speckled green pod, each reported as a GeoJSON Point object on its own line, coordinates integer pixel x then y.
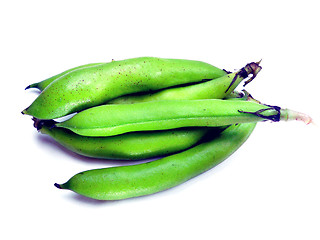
{"type": "Point", "coordinates": [123, 182]}
{"type": "Point", "coordinates": [93, 86]}
{"type": "Point", "coordinates": [213, 89]}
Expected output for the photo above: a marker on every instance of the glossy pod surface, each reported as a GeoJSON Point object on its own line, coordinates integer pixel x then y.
{"type": "Point", "coordinates": [213, 89]}
{"type": "Point", "coordinates": [109, 120]}
{"type": "Point", "coordinates": [131, 146]}
{"type": "Point", "coordinates": [116, 183]}
{"type": "Point", "coordinates": [93, 86]}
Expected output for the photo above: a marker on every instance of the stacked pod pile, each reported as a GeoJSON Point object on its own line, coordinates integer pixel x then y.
{"type": "Point", "coordinates": [149, 107]}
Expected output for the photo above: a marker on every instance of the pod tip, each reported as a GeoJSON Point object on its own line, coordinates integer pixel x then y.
{"type": "Point", "coordinates": [25, 111]}
{"type": "Point", "coordinates": [58, 185]}
{"type": "Point", "coordinates": [34, 85]}
{"type": "Point", "coordinates": [259, 61]}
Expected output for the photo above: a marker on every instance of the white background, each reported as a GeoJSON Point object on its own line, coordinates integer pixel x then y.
{"type": "Point", "coordinates": [269, 189]}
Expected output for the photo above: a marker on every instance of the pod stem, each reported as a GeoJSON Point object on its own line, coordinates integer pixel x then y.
{"type": "Point", "coordinates": [289, 115]}
{"type": "Point", "coordinates": [252, 68]}
{"type": "Point", "coordinates": [284, 114]}
{"type": "Point", "coordinates": [281, 114]}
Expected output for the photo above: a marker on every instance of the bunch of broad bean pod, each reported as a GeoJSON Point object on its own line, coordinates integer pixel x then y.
{"type": "Point", "coordinates": [185, 113]}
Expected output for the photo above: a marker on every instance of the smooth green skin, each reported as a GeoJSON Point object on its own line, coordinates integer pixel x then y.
{"type": "Point", "coordinates": [213, 89]}
{"type": "Point", "coordinates": [131, 146]}
{"type": "Point", "coordinates": [109, 120]}
{"type": "Point", "coordinates": [216, 88]}
{"type": "Point", "coordinates": [43, 84]}
{"type": "Point", "coordinates": [123, 182]}
{"type": "Point", "coordinates": [93, 86]}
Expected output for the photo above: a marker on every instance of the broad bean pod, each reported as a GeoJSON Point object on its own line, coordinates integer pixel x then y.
{"type": "Point", "coordinates": [93, 86]}
{"type": "Point", "coordinates": [213, 89]}
{"type": "Point", "coordinates": [109, 120]}
{"type": "Point", "coordinates": [123, 182]}
{"type": "Point", "coordinates": [130, 146]}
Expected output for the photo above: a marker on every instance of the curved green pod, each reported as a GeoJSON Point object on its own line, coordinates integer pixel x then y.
{"type": "Point", "coordinates": [43, 84]}
{"type": "Point", "coordinates": [109, 120]}
{"type": "Point", "coordinates": [213, 89]}
{"type": "Point", "coordinates": [123, 182]}
{"type": "Point", "coordinates": [93, 86]}
{"type": "Point", "coordinates": [131, 146]}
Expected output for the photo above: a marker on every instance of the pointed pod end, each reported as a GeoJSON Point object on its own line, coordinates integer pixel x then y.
{"type": "Point", "coordinates": [59, 186]}
{"type": "Point", "coordinates": [34, 85]}
{"type": "Point", "coordinates": [25, 111]}
{"type": "Point", "coordinates": [259, 62]}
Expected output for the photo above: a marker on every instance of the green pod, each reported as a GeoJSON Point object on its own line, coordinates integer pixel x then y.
{"type": "Point", "coordinates": [213, 89]}
{"type": "Point", "coordinates": [93, 86]}
{"type": "Point", "coordinates": [43, 84]}
{"type": "Point", "coordinates": [131, 146]}
{"type": "Point", "coordinates": [109, 120]}
{"type": "Point", "coordinates": [123, 182]}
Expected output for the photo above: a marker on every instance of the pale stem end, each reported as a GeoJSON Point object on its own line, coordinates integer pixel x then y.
{"type": "Point", "coordinates": [296, 116]}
